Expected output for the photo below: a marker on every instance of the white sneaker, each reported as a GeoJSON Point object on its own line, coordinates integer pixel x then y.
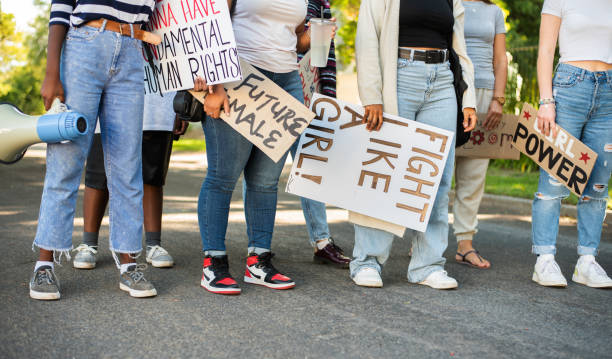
{"type": "Point", "coordinates": [159, 257]}
{"type": "Point", "coordinates": [547, 272]}
{"type": "Point", "coordinates": [588, 272]}
{"type": "Point", "coordinates": [85, 257]}
{"type": "Point", "coordinates": [368, 277]}
{"type": "Point", "coordinates": [440, 280]}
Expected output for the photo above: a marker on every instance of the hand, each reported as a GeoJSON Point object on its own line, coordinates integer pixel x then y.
{"type": "Point", "coordinates": [546, 119]}
{"type": "Point", "coordinates": [51, 89]}
{"type": "Point", "coordinates": [494, 115]}
{"type": "Point", "coordinates": [199, 84]}
{"type": "Point", "coordinates": [469, 119]}
{"type": "Point", "coordinates": [180, 127]}
{"type": "Point", "coordinates": [334, 29]}
{"type": "Point", "coordinates": [216, 98]}
{"type": "Point", "coordinates": [373, 117]}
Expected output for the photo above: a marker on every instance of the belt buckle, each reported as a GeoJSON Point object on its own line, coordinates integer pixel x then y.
{"type": "Point", "coordinates": [430, 57]}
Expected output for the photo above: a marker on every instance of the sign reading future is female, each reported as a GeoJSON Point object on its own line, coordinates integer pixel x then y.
{"type": "Point", "coordinates": [197, 40]}
{"type": "Point", "coordinates": [392, 174]}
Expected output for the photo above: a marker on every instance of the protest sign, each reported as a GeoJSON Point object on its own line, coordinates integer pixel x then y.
{"type": "Point", "coordinates": [392, 174]}
{"type": "Point", "coordinates": [310, 78]}
{"type": "Point", "coordinates": [263, 112]}
{"type": "Point", "coordinates": [496, 143]}
{"type": "Point", "coordinates": [197, 40]}
{"type": "Point", "coordinates": [563, 156]}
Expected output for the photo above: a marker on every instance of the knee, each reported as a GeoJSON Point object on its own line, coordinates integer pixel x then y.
{"type": "Point", "coordinates": [219, 184]}
{"type": "Point", "coordinates": [551, 189]}
{"type": "Point", "coordinates": [595, 192]}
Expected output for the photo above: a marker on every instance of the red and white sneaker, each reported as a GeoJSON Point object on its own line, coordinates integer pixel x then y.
{"type": "Point", "coordinates": [259, 270]}
{"type": "Point", "coordinates": [216, 277]}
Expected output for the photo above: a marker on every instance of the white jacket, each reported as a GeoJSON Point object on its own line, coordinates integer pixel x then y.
{"type": "Point", "coordinates": [376, 47]}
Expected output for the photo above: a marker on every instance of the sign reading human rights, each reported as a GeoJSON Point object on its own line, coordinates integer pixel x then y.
{"type": "Point", "coordinates": [392, 174]}
{"type": "Point", "coordinates": [197, 40]}
{"type": "Point", "coordinates": [563, 156]}
{"type": "Point", "coordinates": [310, 79]}
{"type": "Point", "coordinates": [263, 112]}
{"type": "Point", "coordinates": [495, 143]}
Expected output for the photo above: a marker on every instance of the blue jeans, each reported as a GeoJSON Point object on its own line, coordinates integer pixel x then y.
{"type": "Point", "coordinates": [102, 74]}
{"type": "Point", "coordinates": [584, 108]}
{"type": "Point", "coordinates": [425, 93]}
{"type": "Point", "coordinates": [229, 154]}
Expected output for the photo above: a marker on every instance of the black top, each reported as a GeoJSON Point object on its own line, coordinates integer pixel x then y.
{"type": "Point", "coordinates": [425, 23]}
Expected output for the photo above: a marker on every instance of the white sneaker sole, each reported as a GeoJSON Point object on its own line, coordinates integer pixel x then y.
{"type": "Point", "coordinates": [252, 280]}
{"type": "Point", "coordinates": [536, 279]}
{"type": "Point", "coordinates": [44, 296]}
{"type": "Point", "coordinates": [440, 286]}
{"type": "Point", "coordinates": [368, 283]}
{"type": "Point", "coordinates": [160, 264]}
{"type": "Point", "coordinates": [581, 280]}
{"type": "Point", "coordinates": [138, 293]}
{"type": "Point", "coordinates": [83, 265]}
{"type": "Point", "coordinates": [227, 291]}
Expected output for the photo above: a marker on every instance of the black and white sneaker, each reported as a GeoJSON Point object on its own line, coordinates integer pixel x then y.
{"type": "Point", "coordinates": [259, 270]}
{"type": "Point", "coordinates": [216, 277]}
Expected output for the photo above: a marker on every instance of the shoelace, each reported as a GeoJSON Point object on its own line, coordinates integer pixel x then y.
{"type": "Point", "coordinates": [220, 267]}
{"type": "Point", "coordinates": [85, 247]}
{"type": "Point", "coordinates": [44, 276]}
{"type": "Point", "coordinates": [598, 269]}
{"type": "Point", "coordinates": [154, 249]}
{"type": "Point", "coordinates": [334, 246]}
{"type": "Point", "coordinates": [265, 261]}
{"type": "Point", "coordinates": [551, 267]}
{"type": "Point", "coordinates": [136, 274]}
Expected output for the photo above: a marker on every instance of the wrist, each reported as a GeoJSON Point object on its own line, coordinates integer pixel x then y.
{"type": "Point", "coordinates": [547, 101]}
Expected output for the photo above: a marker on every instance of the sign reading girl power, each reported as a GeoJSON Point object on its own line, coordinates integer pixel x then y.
{"type": "Point", "coordinates": [197, 40]}
{"type": "Point", "coordinates": [392, 174]}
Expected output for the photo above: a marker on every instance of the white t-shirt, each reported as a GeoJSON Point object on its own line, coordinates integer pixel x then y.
{"type": "Point", "coordinates": [158, 113]}
{"type": "Point", "coordinates": [265, 32]}
{"type": "Point", "coordinates": [586, 29]}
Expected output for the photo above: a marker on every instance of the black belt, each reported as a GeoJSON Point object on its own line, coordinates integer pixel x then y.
{"type": "Point", "coordinates": [428, 56]}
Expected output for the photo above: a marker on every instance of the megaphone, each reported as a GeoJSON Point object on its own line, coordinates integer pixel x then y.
{"type": "Point", "coordinates": [18, 131]}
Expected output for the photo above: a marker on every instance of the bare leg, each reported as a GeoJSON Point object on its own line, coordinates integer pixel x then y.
{"type": "Point", "coordinates": [153, 201]}
{"type": "Point", "coordinates": [94, 205]}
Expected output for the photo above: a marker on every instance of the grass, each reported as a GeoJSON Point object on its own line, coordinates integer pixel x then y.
{"type": "Point", "coordinates": [502, 181]}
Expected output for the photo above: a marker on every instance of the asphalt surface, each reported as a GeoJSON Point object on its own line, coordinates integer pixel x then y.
{"type": "Point", "coordinates": [494, 313]}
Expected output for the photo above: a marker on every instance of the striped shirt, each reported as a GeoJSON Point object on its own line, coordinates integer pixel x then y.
{"type": "Point", "coordinates": [78, 12]}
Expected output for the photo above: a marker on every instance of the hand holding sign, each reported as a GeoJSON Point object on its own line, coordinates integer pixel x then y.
{"type": "Point", "coordinates": [560, 154]}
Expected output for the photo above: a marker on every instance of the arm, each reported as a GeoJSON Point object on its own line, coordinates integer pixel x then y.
{"type": "Point", "coordinates": [303, 38]}
{"type": "Point", "coordinates": [52, 86]}
{"type": "Point", "coordinates": [500, 69]}
{"type": "Point", "coordinates": [367, 57]}
{"type": "Point", "coordinates": [549, 32]}
{"type": "Point", "coordinates": [469, 96]}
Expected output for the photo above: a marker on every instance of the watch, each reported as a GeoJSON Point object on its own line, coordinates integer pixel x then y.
{"type": "Point", "coordinates": [501, 100]}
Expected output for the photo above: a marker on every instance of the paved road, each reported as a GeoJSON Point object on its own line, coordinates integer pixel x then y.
{"type": "Point", "coordinates": [494, 313]}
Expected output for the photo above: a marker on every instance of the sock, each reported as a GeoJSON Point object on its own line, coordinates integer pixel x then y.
{"type": "Point", "coordinates": [125, 266]}
{"type": "Point", "coordinates": [153, 239]}
{"type": "Point", "coordinates": [322, 243]}
{"type": "Point", "coordinates": [43, 263]}
{"type": "Point", "coordinates": [91, 239]}
{"type": "Point", "coordinates": [257, 250]}
{"type": "Point", "coordinates": [215, 253]}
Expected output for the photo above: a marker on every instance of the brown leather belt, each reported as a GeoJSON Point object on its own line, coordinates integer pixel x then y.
{"type": "Point", "coordinates": [125, 30]}
{"type": "Point", "coordinates": [428, 56]}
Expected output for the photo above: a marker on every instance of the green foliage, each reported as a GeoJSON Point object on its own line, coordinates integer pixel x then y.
{"type": "Point", "coordinates": [23, 61]}
{"type": "Point", "coordinates": [346, 12]}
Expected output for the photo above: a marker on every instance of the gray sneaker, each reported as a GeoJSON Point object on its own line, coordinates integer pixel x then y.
{"type": "Point", "coordinates": [159, 257]}
{"type": "Point", "coordinates": [44, 284]}
{"type": "Point", "coordinates": [85, 257]}
{"type": "Point", "coordinates": [134, 282]}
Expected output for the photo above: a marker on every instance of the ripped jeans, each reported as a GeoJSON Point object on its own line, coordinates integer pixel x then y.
{"type": "Point", "coordinates": [584, 108]}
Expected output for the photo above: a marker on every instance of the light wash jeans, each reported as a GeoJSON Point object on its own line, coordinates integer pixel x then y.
{"type": "Point", "coordinates": [102, 73]}
{"type": "Point", "coordinates": [229, 154]}
{"type": "Point", "coordinates": [584, 108]}
{"type": "Point", "coordinates": [425, 93]}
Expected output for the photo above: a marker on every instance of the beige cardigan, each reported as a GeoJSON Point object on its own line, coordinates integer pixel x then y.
{"type": "Point", "coordinates": [376, 57]}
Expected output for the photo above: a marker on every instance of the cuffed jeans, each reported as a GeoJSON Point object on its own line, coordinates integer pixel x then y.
{"type": "Point", "coordinates": [102, 73]}
{"type": "Point", "coordinates": [584, 108]}
{"type": "Point", "coordinates": [425, 93]}
{"type": "Point", "coordinates": [470, 174]}
{"type": "Point", "coordinates": [229, 154]}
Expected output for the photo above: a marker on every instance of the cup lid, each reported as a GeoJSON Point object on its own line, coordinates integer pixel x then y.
{"type": "Point", "coordinates": [321, 20]}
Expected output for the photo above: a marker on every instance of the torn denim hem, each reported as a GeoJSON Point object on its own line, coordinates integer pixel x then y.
{"type": "Point", "coordinates": [57, 253]}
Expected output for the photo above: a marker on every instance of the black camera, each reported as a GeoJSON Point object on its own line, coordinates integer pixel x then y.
{"type": "Point", "coordinates": [187, 107]}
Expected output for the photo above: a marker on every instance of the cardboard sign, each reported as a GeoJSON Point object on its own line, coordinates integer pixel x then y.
{"type": "Point", "coordinates": [310, 78]}
{"type": "Point", "coordinates": [564, 157]}
{"type": "Point", "coordinates": [263, 112]}
{"type": "Point", "coordinates": [392, 174]}
{"type": "Point", "coordinates": [492, 144]}
{"type": "Point", "coordinates": [197, 40]}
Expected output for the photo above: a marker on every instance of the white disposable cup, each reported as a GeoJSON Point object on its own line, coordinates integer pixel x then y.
{"type": "Point", "coordinates": [320, 40]}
